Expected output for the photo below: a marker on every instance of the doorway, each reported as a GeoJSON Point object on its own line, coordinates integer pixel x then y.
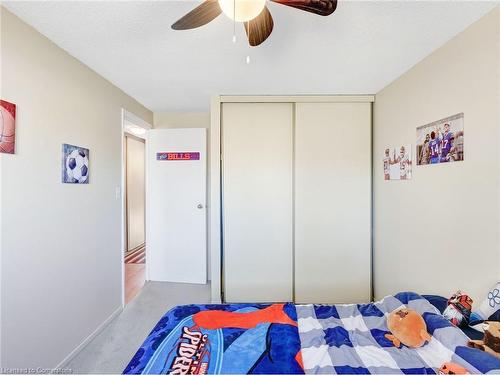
{"type": "Point", "coordinates": [134, 187]}
{"type": "Point", "coordinates": [135, 197]}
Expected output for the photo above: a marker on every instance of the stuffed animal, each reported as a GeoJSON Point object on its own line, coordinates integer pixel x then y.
{"type": "Point", "coordinates": [459, 309]}
{"type": "Point", "coordinates": [407, 327]}
{"type": "Point", "coordinates": [491, 342]}
{"type": "Point", "coordinates": [452, 369]}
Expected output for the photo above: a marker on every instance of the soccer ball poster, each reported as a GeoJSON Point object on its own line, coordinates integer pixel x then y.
{"type": "Point", "coordinates": [441, 141]}
{"type": "Point", "coordinates": [397, 163]}
{"type": "Point", "coordinates": [75, 164]}
{"type": "Point", "coordinates": [7, 127]}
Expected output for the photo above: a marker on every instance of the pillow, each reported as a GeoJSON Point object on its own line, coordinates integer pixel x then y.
{"type": "Point", "coordinates": [489, 309]}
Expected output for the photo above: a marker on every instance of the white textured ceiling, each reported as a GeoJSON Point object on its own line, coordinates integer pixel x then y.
{"type": "Point", "coordinates": [360, 49]}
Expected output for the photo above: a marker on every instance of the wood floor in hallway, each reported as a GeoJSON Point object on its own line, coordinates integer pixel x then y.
{"type": "Point", "coordinates": [135, 276]}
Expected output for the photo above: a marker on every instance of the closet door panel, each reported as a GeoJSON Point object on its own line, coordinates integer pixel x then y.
{"type": "Point", "coordinates": [257, 201]}
{"type": "Point", "coordinates": [332, 202]}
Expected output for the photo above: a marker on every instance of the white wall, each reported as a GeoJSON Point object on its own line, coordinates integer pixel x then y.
{"type": "Point", "coordinates": [181, 120]}
{"type": "Point", "coordinates": [61, 243]}
{"type": "Point", "coordinates": [439, 232]}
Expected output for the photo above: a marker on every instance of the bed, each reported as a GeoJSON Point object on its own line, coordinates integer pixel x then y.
{"type": "Point", "coordinates": [297, 339]}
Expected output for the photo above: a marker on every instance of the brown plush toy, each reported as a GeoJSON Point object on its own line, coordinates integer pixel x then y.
{"type": "Point", "coordinates": [407, 327]}
{"type": "Point", "coordinates": [491, 342]}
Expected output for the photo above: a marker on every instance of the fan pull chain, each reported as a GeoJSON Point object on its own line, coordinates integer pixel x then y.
{"type": "Point", "coordinates": [249, 31]}
{"type": "Point", "coordinates": [234, 29]}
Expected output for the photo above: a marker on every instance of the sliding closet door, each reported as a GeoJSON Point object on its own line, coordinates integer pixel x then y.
{"type": "Point", "coordinates": [257, 201]}
{"type": "Point", "coordinates": [332, 202]}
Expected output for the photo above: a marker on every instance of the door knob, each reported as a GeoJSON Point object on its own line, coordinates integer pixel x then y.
{"type": "Point", "coordinates": [200, 206]}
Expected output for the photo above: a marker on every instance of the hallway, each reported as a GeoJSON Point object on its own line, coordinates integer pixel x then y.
{"type": "Point", "coordinates": [135, 275]}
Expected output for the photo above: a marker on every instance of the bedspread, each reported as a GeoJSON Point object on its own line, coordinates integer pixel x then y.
{"type": "Point", "coordinates": [227, 339]}
{"type": "Point", "coordinates": [350, 339]}
{"type": "Point", "coordinates": [293, 339]}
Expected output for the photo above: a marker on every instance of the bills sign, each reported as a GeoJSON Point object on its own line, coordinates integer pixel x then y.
{"type": "Point", "coordinates": [172, 156]}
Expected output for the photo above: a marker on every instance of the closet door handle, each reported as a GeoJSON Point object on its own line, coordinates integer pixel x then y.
{"type": "Point", "coordinates": [200, 206]}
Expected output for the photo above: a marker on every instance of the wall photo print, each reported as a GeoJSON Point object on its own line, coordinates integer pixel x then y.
{"type": "Point", "coordinates": [75, 164]}
{"type": "Point", "coordinates": [441, 141]}
{"type": "Point", "coordinates": [7, 127]}
{"type": "Point", "coordinates": [397, 163]}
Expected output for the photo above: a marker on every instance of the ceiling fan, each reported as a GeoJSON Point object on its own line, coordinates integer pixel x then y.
{"type": "Point", "coordinates": [253, 13]}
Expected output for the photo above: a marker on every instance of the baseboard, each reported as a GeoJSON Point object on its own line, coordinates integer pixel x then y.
{"type": "Point", "coordinates": [85, 342]}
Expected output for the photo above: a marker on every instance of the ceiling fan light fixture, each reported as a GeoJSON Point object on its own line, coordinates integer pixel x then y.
{"type": "Point", "coordinates": [246, 10]}
{"type": "Point", "coordinates": [254, 15]}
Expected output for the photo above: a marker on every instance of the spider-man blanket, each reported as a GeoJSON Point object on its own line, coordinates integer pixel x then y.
{"type": "Point", "coordinates": [228, 339]}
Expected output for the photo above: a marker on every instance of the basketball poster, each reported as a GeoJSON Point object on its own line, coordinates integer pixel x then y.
{"type": "Point", "coordinates": [7, 127]}
{"type": "Point", "coordinates": [397, 163]}
{"type": "Point", "coordinates": [441, 141]}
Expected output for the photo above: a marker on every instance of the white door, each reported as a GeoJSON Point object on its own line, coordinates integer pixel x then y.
{"type": "Point", "coordinates": [176, 213]}
{"type": "Point", "coordinates": [257, 201]}
{"type": "Point", "coordinates": [332, 202]}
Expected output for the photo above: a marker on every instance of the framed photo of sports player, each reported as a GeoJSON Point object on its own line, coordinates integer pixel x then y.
{"type": "Point", "coordinates": [397, 163]}
{"type": "Point", "coordinates": [441, 141]}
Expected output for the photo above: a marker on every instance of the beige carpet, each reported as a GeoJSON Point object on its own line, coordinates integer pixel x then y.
{"type": "Point", "coordinates": [110, 351]}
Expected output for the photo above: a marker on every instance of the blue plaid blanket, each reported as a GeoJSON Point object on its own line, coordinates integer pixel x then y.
{"type": "Point", "coordinates": [293, 339]}
{"type": "Point", "coordinates": [349, 339]}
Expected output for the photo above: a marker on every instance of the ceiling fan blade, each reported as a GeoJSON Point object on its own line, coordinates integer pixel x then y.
{"type": "Point", "coordinates": [259, 28]}
{"type": "Point", "coordinates": [321, 7]}
{"type": "Point", "coordinates": [199, 16]}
